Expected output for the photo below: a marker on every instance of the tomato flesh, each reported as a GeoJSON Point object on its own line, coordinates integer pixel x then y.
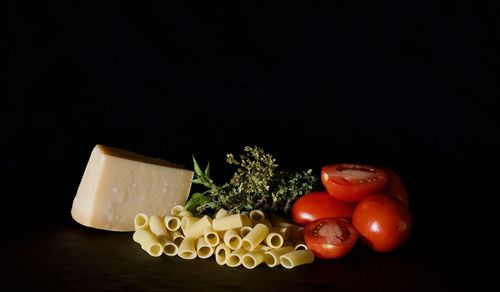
{"type": "Point", "coordinates": [384, 223]}
{"type": "Point", "coordinates": [330, 238]}
{"type": "Point", "coordinates": [318, 205]}
{"type": "Point", "coordinates": [352, 182]}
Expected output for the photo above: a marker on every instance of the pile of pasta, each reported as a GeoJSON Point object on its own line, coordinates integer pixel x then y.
{"type": "Point", "coordinates": [247, 238]}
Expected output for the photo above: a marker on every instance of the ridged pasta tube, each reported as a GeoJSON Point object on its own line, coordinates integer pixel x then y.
{"type": "Point", "coordinates": [157, 226]}
{"type": "Point", "coordinates": [296, 258]}
{"type": "Point", "coordinates": [274, 240]}
{"type": "Point", "coordinates": [141, 222]}
{"type": "Point", "coordinates": [232, 239]}
{"type": "Point", "coordinates": [234, 258]}
{"type": "Point", "coordinates": [195, 230]}
{"type": "Point", "coordinates": [187, 249]}
{"type": "Point", "coordinates": [257, 215]}
{"type": "Point", "coordinates": [228, 222]}
{"type": "Point", "coordinates": [172, 223]}
{"type": "Point", "coordinates": [253, 258]}
{"type": "Point", "coordinates": [177, 210]}
{"type": "Point", "coordinates": [272, 257]}
{"type": "Point", "coordinates": [222, 251]}
{"type": "Point", "coordinates": [211, 236]}
{"type": "Point", "coordinates": [148, 242]}
{"type": "Point", "coordinates": [255, 237]}
{"type": "Point", "coordinates": [203, 249]}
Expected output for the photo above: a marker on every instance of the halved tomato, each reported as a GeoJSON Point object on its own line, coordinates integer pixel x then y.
{"type": "Point", "coordinates": [395, 187]}
{"type": "Point", "coordinates": [352, 182]}
{"type": "Point", "coordinates": [318, 205]}
{"type": "Point", "coordinates": [330, 238]}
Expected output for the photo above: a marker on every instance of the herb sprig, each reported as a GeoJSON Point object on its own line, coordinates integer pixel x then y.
{"type": "Point", "coordinates": [256, 184]}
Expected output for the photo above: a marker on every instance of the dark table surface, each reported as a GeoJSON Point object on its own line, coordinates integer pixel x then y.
{"type": "Point", "coordinates": [48, 250]}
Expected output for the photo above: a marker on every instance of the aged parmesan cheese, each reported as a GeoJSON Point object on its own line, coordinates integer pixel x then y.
{"type": "Point", "coordinates": [118, 184]}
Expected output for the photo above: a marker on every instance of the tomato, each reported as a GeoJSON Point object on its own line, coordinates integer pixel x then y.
{"type": "Point", "coordinates": [330, 238]}
{"type": "Point", "coordinates": [395, 187]}
{"type": "Point", "coordinates": [352, 182]}
{"type": "Point", "coordinates": [318, 205]}
{"type": "Point", "coordinates": [383, 222]}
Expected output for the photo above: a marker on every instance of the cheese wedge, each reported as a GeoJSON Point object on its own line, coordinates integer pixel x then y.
{"type": "Point", "coordinates": [118, 184]}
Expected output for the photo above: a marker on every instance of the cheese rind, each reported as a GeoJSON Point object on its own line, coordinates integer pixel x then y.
{"type": "Point", "coordinates": [118, 184]}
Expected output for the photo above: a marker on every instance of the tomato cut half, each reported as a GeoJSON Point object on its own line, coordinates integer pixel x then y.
{"type": "Point", "coordinates": [318, 205]}
{"type": "Point", "coordinates": [330, 238]}
{"type": "Point", "coordinates": [352, 182]}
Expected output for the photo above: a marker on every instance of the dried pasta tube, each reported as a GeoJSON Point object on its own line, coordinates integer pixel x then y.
{"type": "Point", "coordinates": [262, 247]}
{"type": "Point", "coordinates": [170, 248]}
{"type": "Point", "coordinates": [172, 223]}
{"type": "Point", "coordinates": [211, 236]}
{"type": "Point", "coordinates": [185, 213]}
{"type": "Point", "coordinates": [196, 229]}
{"type": "Point", "coordinates": [141, 222]}
{"type": "Point", "coordinates": [157, 226]}
{"type": "Point", "coordinates": [186, 222]}
{"type": "Point", "coordinates": [267, 223]}
{"type": "Point", "coordinates": [245, 230]}
{"type": "Point", "coordinates": [296, 258]}
{"type": "Point", "coordinates": [274, 240]}
{"type": "Point", "coordinates": [148, 242]}
{"type": "Point", "coordinates": [255, 237]}
{"type": "Point", "coordinates": [300, 244]}
{"type": "Point", "coordinates": [228, 222]}
{"type": "Point", "coordinates": [253, 258]}
{"type": "Point", "coordinates": [176, 210]}
{"type": "Point", "coordinates": [221, 213]}
{"type": "Point", "coordinates": [284, 231]}
{"type": "Point", "coordinates": [234, 258]}
{"type": "Point", "coordinates": [222, 251]}
{"type": "Point", "coordinates": [177, 238]}
{"type": "Point", "coordinates": [203, 249]}
{"type": "Point", "coordinates": [246, 220]}
{"type": "Point", "coordinates": [272, 257]}
{"type": "Point", "coordinates": [232, 239]}
{"type": "Point", "coordinates": [187, 249]}
{"type": "Point", "coordinates": [257, 215]}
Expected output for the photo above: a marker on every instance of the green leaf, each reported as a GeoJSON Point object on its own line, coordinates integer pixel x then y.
{"type": "Point", "coordinates": [197, 168]}
{"type": "Point", "coordinates": [196, 200]}
{"type": "Point", "coordinates": [207, 170]}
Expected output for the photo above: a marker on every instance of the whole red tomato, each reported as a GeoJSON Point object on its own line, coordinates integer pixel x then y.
{"type": "Point", "coordinates": [383, 222]}
{"type": "Point", "coordinates": [352, 182]}
{"type": "Point", "coordinates": [395, 187]}
{"type": "Point", "coordinates": [318, 205]}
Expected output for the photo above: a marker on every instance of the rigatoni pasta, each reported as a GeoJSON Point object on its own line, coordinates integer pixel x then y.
{"type": "Point", "coordinates": [228, 222]}
{"type": "Point", "coordinates": [272, 257]}
{"type": "Point", "coordinates": [148, 242]}
{"type": "Point", "coordinates": [172, 223]}
{"type": "Point", "coordinates": [187, 249]}
{"type": "Point", "coordinates": [231, 238]}
{"type": "Point", "coordinates": [157, 227]}
{"type": "Point", "coordinates": [221, 253]}
{"type": "Point", "coordinates": [203, 249]}
{"type": "Point", "coordinates": [296, 258]}
{"type": "Point", "coordinates": [141, 221]}
{"type": "Point", "coordinates": [255, 237]}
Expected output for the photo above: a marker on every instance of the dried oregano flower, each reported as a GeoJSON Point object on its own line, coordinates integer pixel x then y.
{"type": "Point", "coordinates": [256, 184]}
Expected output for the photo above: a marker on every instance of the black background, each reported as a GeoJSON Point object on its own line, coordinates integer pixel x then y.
{"type": "Point", "coordinates": [411, 86]}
